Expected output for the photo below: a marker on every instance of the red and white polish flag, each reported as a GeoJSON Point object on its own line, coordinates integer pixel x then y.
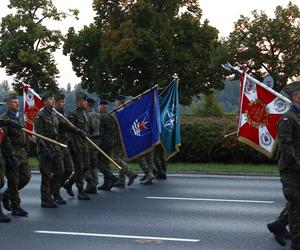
{"type": "Point", "coordinates": [260, 111]}
{"type": "Point", "coordinates": [32, 105]}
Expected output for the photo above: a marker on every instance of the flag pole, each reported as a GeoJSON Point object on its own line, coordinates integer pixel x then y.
{"type": "Point", "coordinates": [175, 77]}
{"type": "Point", "coordinates": [229, 67]}
{"type": "Point", "coordinates": [90, 141]}
{"type": "Point", "coordinates": [134, 98]}
{"type": "Point", "coordinates": [44, 138]}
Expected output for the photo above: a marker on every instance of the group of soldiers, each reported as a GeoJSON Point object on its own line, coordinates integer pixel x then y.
{"type": "Point", "coordinates": [62, 167]}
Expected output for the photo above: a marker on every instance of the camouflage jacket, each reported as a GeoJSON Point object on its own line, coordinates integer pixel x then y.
{"type": "Point", "coordinates": [108, 129]}
{"type": "Point", "coordinates": [289, 140]}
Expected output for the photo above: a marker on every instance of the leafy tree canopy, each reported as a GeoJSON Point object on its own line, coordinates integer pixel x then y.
{"type": "Point", "coordinates": [269, 45]}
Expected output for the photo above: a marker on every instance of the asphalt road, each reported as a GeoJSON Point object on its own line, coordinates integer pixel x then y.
{"type": "Point", "coordinates": [183, 212]}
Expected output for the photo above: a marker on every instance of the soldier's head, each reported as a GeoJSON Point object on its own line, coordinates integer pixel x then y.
{"type": "Point", "coordinates": [90, 103]}
{"type": "Point", "coordinates": [48, 99]}
{"type": "Point", "coordinates": [12, 102]}
{"type": "Point", "coordinates": [81, 100]}
{"type": "Point", "coordinates": [60, 101]}
{"type": "Point", "coordinates": [120, 100]}
{"type": "Point", "coordinates": [293, 91]}
{"type": "Point", "coordinates": [103, 105]}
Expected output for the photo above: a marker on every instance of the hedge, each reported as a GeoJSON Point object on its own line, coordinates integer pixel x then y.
{"type": "Point", "coordinates": [202, 140]}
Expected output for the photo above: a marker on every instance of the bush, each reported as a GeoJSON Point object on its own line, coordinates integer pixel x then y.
{"type": "Point", "coordinates": [204, 141]}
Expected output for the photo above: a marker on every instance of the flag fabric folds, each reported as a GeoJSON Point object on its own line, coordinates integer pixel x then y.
{"type": "Point", "coordinates": [170, 120]}
{"type": "Point", "coordinates": [32, 105]}
{"type": "Point", "coordinates": [260, 110]}
{"type": "Point", "coordinates": [139, 124]}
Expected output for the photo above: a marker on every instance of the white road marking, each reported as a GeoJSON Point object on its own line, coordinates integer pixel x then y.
{"type": "Point", "coordinates": [213, 200]}
{"type": "Point", "coordinates": [116, 236]}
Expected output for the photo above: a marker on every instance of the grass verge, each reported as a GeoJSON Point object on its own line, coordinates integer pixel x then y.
{"type": "Point", "coordinates": [203, 168]}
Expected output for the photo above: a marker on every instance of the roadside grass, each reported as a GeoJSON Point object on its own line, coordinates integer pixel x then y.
{"type": "Point", "coordinates": [202, 168]}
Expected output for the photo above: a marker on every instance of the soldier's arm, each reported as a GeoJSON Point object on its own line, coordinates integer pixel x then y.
{"type": "Point", "coordinates": [39, 128]}
{"type": "Point", "coordinates": [66, 126]}
{"type": "Point", "coordinates": [285, 133]}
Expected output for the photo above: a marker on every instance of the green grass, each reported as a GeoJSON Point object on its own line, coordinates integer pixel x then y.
{"type": "Point", "coordinates": [203, 168]}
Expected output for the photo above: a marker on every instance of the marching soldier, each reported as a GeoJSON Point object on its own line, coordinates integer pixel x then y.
{"type": "Point", "coordinates": [62, 137]}
{"type": "Point", "coordinates": [79, 147]}
{"type": "Point", "coordinates": [50, 156]}
{"type": "Point", "coordinates": [4, 123]}
{"type": "Point", "coordinates": [107, 134]}
{"type": "Point", "coordinates": [17, 170]}
{"type": "Point", "coordinates": [92, 175]}
{"type": "Point", "coordinates": [289, 162]}
{"type": "Point", "coordinates": [118, 154]}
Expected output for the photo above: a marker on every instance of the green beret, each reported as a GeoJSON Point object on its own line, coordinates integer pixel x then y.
{"type": "Point", "coordinates": [291, 88]}
{"type": "Point", "coordinates": [11, 96]}
{"type": "Point", "coordinates": [47, 94]}
{"type": "Point", "coordinates": [59, 96]}
{"type": "Point", "coordinates": [90, 100]}
{"type": "Point", "coordinates": [81, 96]}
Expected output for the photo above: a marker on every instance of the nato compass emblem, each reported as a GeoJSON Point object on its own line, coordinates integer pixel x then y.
{"type": "Point", "coordinates": [169, 119]}
{"type": "Point", "coordinates": [141, 126]}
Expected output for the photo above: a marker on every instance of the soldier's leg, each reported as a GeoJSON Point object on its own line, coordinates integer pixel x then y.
{"type": "Point", "coordinates": [291, 191]}
{"type": "Point", "coordinates": [45, 166]}
{"type": "Point", "coordinates": [147, 169]}
{"type": "Point", "coordinates": [91, 175]}
{"type": "Point", "coordinates": [159, 163]}
{"type": "Point", "coordinates": [124, 172]}
{"type": "Point", "coordinates": [3, 217]}
{"type": "Point", "coordinates": [79, 161]}
{"type": "Point", "coordinates": [68, 165]}
{"type": "Point", "coordinates": [24, 170]}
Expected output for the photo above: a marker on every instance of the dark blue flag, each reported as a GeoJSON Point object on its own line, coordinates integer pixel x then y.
{"type": "Point", "coordinates": [170, 120]}
{"type": "Point", "coordinates": [139, 124]}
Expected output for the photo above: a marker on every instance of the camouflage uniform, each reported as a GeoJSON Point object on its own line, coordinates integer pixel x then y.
{"type": "Point", "coordinates": [50, 156]}
{"type": "Point", "coordinates": [160, 162]}
{"type": "Point", "coordinates": [62, 137]}
{"type": "Point", "coordinates": [18, 172]}
{"type": "Point", "coordinates": [79, 148]}
{"type": "Point", "coordinates": [107, 135]}
{"type": "Point", "coordinates": [94, 135]}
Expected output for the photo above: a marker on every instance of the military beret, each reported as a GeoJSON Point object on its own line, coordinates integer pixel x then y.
{"type": "Point", "coordinates": [59, 96]}
{"type": "Point", "coordinates": [103, 102]}
{"type": "Point", "coordinates": [11, 96]}
{"type": "Point", "coordinates": [90, 100]}
{"type": "Point", "coordinates": [291, 88]}
{"type": "Point", "coordinates": [81, 96]}
{"type": "Point", "coordinates": [47, 94]}
{"type": "Point", "coordinates": [120, 98]}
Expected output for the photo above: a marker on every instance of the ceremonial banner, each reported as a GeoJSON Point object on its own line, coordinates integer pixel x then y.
{"type": "Point", "coordinates": [32, 105]}
{"type": "Point", "coordinates": [139, 124]}
{"type": "Point", "coordinates": [260, 110]}
{"type": "Point", "coordinates": [170, 120]}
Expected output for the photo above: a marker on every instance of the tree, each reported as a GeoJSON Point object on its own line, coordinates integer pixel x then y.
{"type": "Point", "coordinates": [208, 107]}
{"type": "Point", "coordinates": [269, 45]}
{"type": "Point", "coordinates": [133, 45]}
{"type": "Point", "coordinates": [26, 45]}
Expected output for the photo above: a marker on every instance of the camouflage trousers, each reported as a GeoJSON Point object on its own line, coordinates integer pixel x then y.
{"type": "Point", "coordinates": [91, 176]}
{"type": "Point", "coordinates": [2, 170]}
{"type": "Point", "coordinates": [51, 169]}
{"type": "Point", "coordinates": [146, 162]}
{"type": "Point", "coordinates": [68, 165]}
{"type": "Point", "coordinates": [18, 177]}
{"type": "Point", "coordinates": [283, 217]}
{"type": "Point", "coordinates": [291, 190]}
{"type": "Point", "coordinates": [104, 164]}
{"type": "Point", "coordinates": [160, 162]}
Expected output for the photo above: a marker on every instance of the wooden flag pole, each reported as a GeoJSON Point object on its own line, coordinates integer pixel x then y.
{"type": "Point", "coordinates": [134, 98]}
{"type": "Point", "coordinates": [90, 141]}
{"type": "Point", "coordinates": [44, 138]}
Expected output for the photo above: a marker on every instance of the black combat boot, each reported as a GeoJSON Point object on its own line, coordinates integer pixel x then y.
{"type": "Point", "coordinates": [295, 246]}
{"type": "Point", "coordinates": [91, 189]}
{"type": "Point", "coordinates": [49, 204]}
{"type": "Point", "coordinates": [131, 179]}
{"type": "Point", "coordinates": [279, 232]}
{"type": "Point", "coordinates": [18, 212]}
{"type": "Point", "coordinates": [3, 217]}
{"type": "Point", "coordinates": [68, 187]}
{"type": "Point", "coordinates": [83, 196]}
{"type": "Point", "coordinates": [58, 199]}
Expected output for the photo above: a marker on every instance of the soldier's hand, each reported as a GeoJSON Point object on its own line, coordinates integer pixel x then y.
{"type": "Point", "coordinates": [14, 124]}
{"type": "Point", "coordinates": [82, 133]}
{"type": "Point", "coordinates": [11, 161]}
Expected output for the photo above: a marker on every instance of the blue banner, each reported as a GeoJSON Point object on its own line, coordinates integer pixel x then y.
{"type": "Point", "coordinates": [170, 120]}
{"type": "Point", "coordinates": [139, 124]}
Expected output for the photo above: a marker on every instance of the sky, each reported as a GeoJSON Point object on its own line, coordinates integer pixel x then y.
{"type": "Point", "coordinates": [221, 14]}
